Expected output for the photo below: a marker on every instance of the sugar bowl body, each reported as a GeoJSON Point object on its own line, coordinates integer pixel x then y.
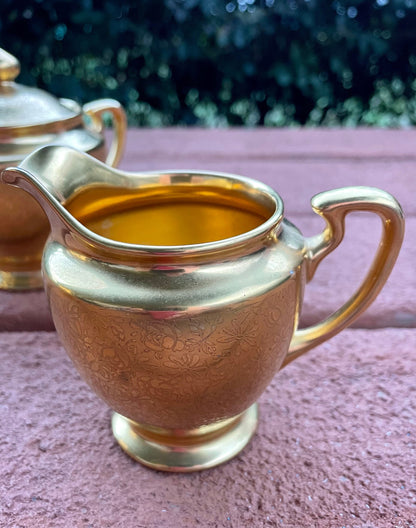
{"type": "Point", "coordinates": [30, 118]}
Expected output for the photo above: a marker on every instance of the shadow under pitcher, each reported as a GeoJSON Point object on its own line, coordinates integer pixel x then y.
{"type": "Point", "coordinates": [177, 294]}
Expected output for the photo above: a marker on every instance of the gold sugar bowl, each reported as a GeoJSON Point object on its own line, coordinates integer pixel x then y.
{"type": "Point", "coordinates": [31, 118]}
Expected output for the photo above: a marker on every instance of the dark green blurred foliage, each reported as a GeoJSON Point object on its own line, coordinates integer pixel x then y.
{"type": "Point", "coordinates": [217, 63]}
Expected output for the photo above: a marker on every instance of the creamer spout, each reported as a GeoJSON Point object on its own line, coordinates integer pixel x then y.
{"type": "Point", "coordinates": [32, 184]}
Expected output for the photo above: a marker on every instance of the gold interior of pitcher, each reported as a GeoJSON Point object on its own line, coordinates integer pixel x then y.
{"type": "Point", "coordinates": [168, 215]}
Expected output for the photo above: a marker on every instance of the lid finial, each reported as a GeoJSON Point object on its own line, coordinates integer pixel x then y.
{"type": "Point", "coordinates": [9, 66]}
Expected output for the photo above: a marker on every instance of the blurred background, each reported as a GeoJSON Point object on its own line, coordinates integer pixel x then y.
{"type": "Point", "coordinates": [223, 62]}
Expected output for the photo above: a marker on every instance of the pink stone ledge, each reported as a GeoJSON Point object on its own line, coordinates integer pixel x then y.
{"type": "Point", "coordinates": [335, 446]}
{"type": "Point", "coordinates": [272, 143]}
{"type": "Point", "coordinates": [297, 163]}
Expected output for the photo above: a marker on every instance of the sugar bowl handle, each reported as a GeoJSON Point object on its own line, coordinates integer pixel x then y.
{"type": "Point", "coordinates": [96, 110]}
{"type": "Point", "coordinates": [333, 206]}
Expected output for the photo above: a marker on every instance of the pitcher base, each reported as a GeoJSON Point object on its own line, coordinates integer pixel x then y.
{"type": "Point", "coordinates": [185, 451]}
{"type": "Point", "coordinates": [21, 280]}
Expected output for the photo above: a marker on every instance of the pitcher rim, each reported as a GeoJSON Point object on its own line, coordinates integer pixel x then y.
{"type": "Point", "coordinates": [273, 221]}
{"type": "Point", "coordinates": [130, 180]}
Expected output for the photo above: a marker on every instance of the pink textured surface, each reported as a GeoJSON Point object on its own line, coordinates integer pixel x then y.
{"type": "Point", "coordinates": [24, 311]}
{"type": "Point", "coordinates": [335, 446]}
{"type": "Point", "coordinates": [336, 442]}
{"type": "Point", "coordinates": [298, 164]}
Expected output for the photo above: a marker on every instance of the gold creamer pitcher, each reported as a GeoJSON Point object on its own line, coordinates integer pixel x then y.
{"type": "Point", "coordinates": [177, 294]}
{"type": "Point", "coordinates": [30, 118]}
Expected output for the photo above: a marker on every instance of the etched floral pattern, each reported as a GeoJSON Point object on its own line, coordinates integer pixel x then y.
{"type": "Point", "coordinates": [178, 371]}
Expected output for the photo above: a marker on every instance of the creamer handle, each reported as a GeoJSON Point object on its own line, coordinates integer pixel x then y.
{"type": "Point", "coordinates": [96, 109]}
{"type": "Point", "coordinates": [333, 206]}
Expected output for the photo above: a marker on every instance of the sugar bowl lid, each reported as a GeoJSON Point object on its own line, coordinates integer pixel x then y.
{"type": "Point", "coordinates": [26, 111]}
